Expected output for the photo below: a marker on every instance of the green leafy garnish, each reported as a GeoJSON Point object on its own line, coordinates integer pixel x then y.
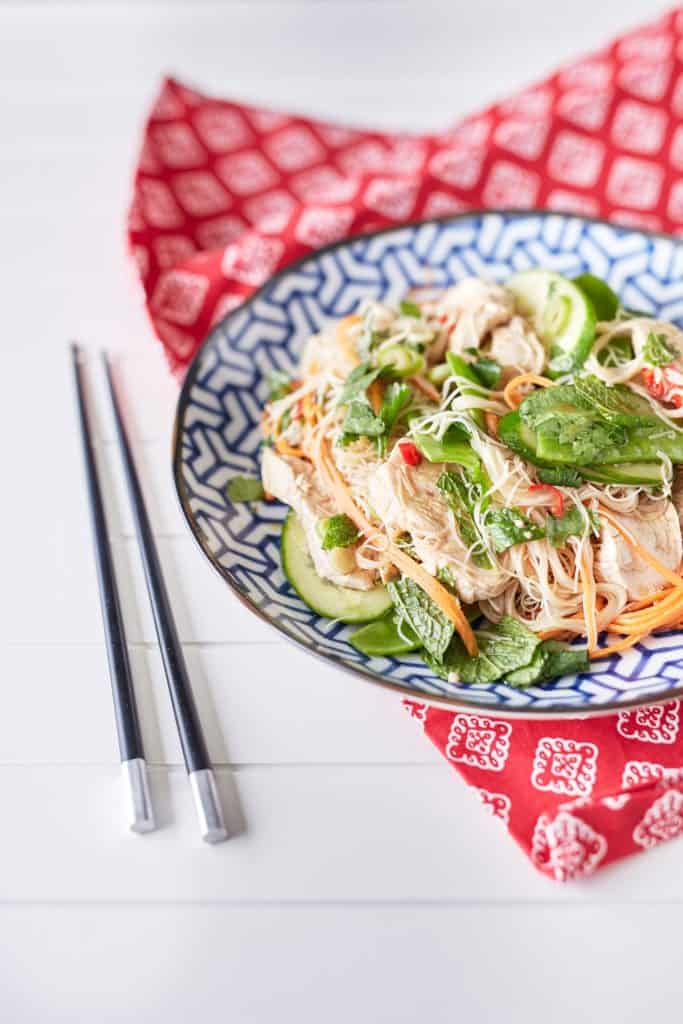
{"type": "Point", "coordinates": [508, 526]}
{"type": "Point", "coordinates": [361, 421]}
{"type": "Point", "coordinates": [279, 385]}
{"type": "Point", "coordinates": [573, 523]}
{"type": "Point", "coordinates": [488, 370]}
{"type": "Point", "coordinates": [509, 653]}
{"type": "Point", "coordinates": [584, 435]}
{"type": "Point", "coordinates": [245, 488]}
{"type": "Point", "coordinates": [503, 648]}
{"type": "Point", "coordinates": [337, 532]}
{"type": "Point", "coordinates": [560, 476]}
{"type": "Point", "coordinates": [396, 397]}
{"type": "Point", "coordinates": [409, 308]}
{"type": "Point", "coordinates": [358, 382]}
{"type": "Point", "coordinates": [657, 352]}
{"type": "Point", "coordinates": [462, 495]}
{"type": "Point", "coordinates": [551, 659]}
{"type": "Point", "coordinates": [614, 402]}
{"type": "Point", "coordinates": [418, 611]}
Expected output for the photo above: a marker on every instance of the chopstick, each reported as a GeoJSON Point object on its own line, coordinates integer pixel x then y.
{"type": "Point", "coordinates": [140, 813]}
{"type": "Point", "coordinates": [192, 742]}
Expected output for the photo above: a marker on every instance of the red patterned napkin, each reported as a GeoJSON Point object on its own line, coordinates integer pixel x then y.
{"type": "Point", "coordinates": [225, 194]}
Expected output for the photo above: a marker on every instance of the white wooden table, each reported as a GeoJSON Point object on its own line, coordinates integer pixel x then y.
{"type": "Point", "coordinates": [365, 884]}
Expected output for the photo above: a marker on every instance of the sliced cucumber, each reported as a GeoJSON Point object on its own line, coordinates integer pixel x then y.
{"type": "Point", "coordinates": [325, 598]}
{"type": "Point", "coordinates": [382, 638]}
{"type": "Point", "coordinates": [561, 314]}
{"type": "Point", "coordinates": [521, 439]}
{"type": "Point", "coordinates": [648, 473]}
{"type": "Point", "coordinates": [605, 302]}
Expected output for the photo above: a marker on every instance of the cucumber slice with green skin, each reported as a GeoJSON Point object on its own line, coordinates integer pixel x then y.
{"type": "Point", "coordinates": [605, 302]}
{"type": "Point", "coordinates": [638, 447]}
{"type": "Point", "coordinates": [323, 597]}
{"type": "Point", "coordinates": [615, 466]}
{"type": "Point", "coordinates": [382, 638]}
{"type": "Point", "coordinates": [521, 439]}
{"type": "Point", "coordinates": [647, 473]}
{"type": "Point", "coordinates": [562, 316]}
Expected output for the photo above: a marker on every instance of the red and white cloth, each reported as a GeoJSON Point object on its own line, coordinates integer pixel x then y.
{"type": "Point", "coordinates": [226, 194]}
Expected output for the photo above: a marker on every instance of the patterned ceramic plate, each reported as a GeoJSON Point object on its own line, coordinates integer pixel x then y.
{"type": "Point", "coordinates": [218, 433]}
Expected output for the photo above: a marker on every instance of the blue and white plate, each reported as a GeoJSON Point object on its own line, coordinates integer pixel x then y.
{"type": "Point", "coordinates": [218, 424]}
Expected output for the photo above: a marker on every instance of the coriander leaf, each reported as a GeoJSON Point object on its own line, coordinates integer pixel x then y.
{"type": "Point", "coordinates": [279, 385]}
{"type": "Point", "coordinates": [508, 526]}
{"type": "Point", "coordinates": [573, 523]}
{"type": "Point", "coordinates": [245, 488]}
{"type": "Point", "coordinates": [337, 532]}
{"type": "Point", "coordinates": [361, 421]}
{"type": "Point", "coordinates": [657, 352]}
{"type": "Point", "coordinates": [418, 611]}
{"type": "Point", "coordinates": [560, 476]}
{"type": "Point", "coordinates": [358, 382]}
{"type": "Point", "coordinates": [584, 434]}
{"type": "Point", "coordinates": [488, 370]}
{"type": "Point", "coordinates": [410, 308]}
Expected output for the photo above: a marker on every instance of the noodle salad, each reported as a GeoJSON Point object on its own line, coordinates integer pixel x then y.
{"type": "Point", "coordinates": [487, 475]}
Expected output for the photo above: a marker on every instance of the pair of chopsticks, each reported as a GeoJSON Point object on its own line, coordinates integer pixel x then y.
{"type": "Point", "coordinates": [140, 813]}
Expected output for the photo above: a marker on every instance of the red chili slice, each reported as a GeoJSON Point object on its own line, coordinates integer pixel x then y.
{"type": "Point", "coordinates": [410, 453]}
{"type": "Point", "coordinates": [557, 507]}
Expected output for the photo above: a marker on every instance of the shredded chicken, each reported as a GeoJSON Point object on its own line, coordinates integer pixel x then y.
{"type": "Point", "coordinates": [407, 500]}
{"type": "Point", "coordinates": [295, 482]}
{"type": "Point", "coordinates": [476, 307]}
{"type": "Point", "coordinates": [658, 529]}
{"type": "Point", "coordinates": [516, 347]}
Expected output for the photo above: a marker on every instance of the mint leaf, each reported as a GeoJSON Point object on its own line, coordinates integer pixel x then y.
{"type": "Point", "coordinates": [560, 476]}
{"type": "Point", "coordinates": [573, 523]}
{"type": "Point", "coordinates": [488, 370]}
{"type": "Point", "coordinates": [361, 421]}
{"type": "Point", "coordinates": [410, 308]}
{"type": "Point", "coordinates": [337, 532]}
{"type": "Point", "coordinates": [657, 352]}
{"type": "Point", "coordinates": [418, 611]}
{"type": "Point", "coordinates": [551, 659]}
{"type": "Point", "coordinates": [245, 488]}
{"type": "Point", "coordinates": [613, 401]}
{"type": "Point", "coordinates": [563, 660]}
{"type": "Point", "coordinates": [503, 648]}
{"type": "Point", "coordinates": [509, 526]}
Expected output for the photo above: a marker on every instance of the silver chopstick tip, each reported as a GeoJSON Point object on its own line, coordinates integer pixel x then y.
{"type": "Point", "coordinates": [208, 807]}
{"type": "Point", "coordinates": [139, 810]}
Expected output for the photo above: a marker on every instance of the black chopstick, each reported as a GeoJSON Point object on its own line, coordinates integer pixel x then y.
{"type": "Point", "coordinates": [139, 806]}
{"type": "Point", "coordinates": [192, 742]}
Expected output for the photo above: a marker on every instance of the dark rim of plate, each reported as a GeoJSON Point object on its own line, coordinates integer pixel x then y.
{"type": "Point", "coordinates": [455, 703]}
